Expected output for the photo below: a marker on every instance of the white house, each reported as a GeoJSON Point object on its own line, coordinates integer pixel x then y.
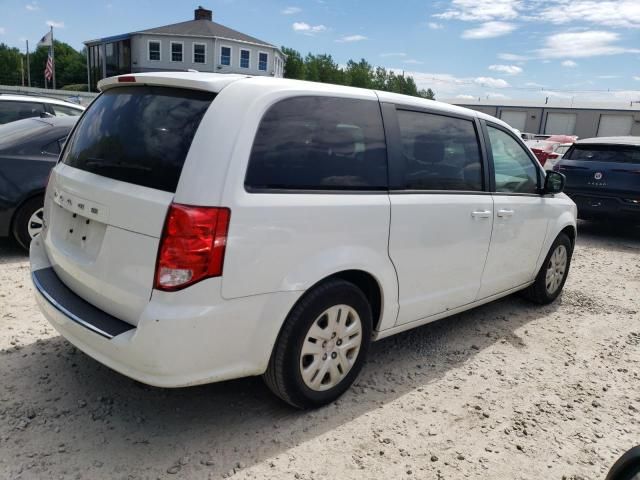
{"type": "Point", "coordinates": [199, 44]}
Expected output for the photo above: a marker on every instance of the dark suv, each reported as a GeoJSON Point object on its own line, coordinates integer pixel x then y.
{"type": "Point", "coordinates": [603, 177]}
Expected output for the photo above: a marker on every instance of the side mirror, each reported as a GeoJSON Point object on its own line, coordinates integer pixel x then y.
{"type": "Point", "coordinates": [554, 182]}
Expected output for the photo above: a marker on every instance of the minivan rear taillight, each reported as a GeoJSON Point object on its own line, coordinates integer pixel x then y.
{"type": "Point", "coordinates": [192, 246]}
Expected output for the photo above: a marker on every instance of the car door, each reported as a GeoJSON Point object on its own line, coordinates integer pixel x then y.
{"type": "Point", "coordinates": [441, 213]}
{"type": "Point", "coordinates": [520, 213]}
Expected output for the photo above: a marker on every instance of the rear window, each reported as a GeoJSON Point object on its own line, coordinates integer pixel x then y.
{"type": "Point", "coordinates": [139, 135]}
{"type": "Point", "coordinates": [319, 143]}
{"type": "Point", "coordinates": [605, 153]}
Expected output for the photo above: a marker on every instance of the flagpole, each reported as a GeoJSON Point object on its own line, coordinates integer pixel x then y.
{"type": "Point", "coordinates": [53, 58]}
{"type": "Point", "coordinates": [28, 66]}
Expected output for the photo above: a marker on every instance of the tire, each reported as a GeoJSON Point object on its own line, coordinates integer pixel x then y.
{"type": "Point", "coordinates": [539, 291]}
{"type": "Point", "coordinates": [315, 359]}
{"type": "Point", "coordinates": [27, 222]}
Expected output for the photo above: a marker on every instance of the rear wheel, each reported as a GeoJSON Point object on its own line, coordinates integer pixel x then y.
{"type": "Point", "coordinates": [553, 273]}
{"type": "Point", "coordinates": [28, 221]}
{"type": "Point", "coordinates": [322, 346]}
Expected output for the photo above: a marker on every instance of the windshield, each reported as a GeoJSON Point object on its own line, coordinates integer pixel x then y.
{"type": "Point", "coordinates": [138, 134]}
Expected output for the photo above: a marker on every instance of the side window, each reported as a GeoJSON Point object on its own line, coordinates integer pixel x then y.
{"type": "Point", "coordinates": [263, 61]}
{"type": "Point", "coordinates": [319, 143]}
{"type": "Point", "coordinates": [245, 58]}
{"type": "Point", "coordinates": [515, 172]}
{"type": "Point", "coordinates": [176, 51]}
{"type": "Point", "coordinates": [154, 51]}
{"type": "Point", "coordinates": [11, 111]}
{"type": "Point", "coordinates": [62, 111]}
{"type": "Point", "coordinates": [440, 152]}
{"type": "Point", "coordinates": [225, 55]}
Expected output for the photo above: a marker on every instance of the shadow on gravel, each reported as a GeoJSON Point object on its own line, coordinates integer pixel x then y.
{"type": "Point", "coordinates": [11, 252]}
{"type": "Point", "coordinates": [613, 236]}
{"type": "Point", "coordinates": [57, 404]}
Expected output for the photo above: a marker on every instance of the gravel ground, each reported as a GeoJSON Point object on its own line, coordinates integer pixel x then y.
{"type": "Point", "coordinates": [506, 391]}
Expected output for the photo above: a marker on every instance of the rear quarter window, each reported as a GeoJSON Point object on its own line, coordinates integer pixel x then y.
{"type": "Point", "coordinates": [319, 143]}
{"type": "Point", "coordinates": [139, 135]}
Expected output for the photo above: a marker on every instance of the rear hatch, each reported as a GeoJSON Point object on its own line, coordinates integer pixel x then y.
{"type": "Point", "coordinates": [602, 169]}
{"type": "Point", "coordinates": [107, 198]}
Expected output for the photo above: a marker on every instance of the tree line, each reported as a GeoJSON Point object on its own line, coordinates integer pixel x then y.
{"type": "Point", "coordinates": [71, 70]}
{"type": "Point", "coordinates": [71, 66]}
{"type": "Point", "coordinates": [323, 68]}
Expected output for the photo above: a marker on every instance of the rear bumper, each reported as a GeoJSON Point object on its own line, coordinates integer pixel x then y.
{"type": "Point", "coordinates": [178, 341]}
{"type": "Point", "coordinates": [603, 206]}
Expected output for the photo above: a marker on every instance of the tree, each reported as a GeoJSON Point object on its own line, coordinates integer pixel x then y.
{"type": "Point", "coordinates": [10, 73]}
{"type": "Point", "coordinates": [294, 66]}
{"type": "Point", "coordinates": [428, 94]}
{"type": "Point", "coordinates": [359, 74]}
{"type": "Point", "coordinates": [71, 65]}
{"type": "Point", "coordinates": [322, 68]}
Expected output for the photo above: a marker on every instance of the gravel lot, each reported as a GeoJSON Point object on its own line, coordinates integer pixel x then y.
{"type": "Point", "coordinates": [506, 391]}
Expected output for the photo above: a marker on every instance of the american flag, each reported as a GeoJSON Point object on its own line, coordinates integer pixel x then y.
{"type": "Point", "coordinates": [48, 70]}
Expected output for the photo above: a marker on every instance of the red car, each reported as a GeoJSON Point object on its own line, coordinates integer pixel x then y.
{"type": "Point", "coordinates": [546, 149]}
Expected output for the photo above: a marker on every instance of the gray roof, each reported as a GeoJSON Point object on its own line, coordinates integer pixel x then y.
{"type": "Point", "coordinates": [203, 28]}
{"type": "Point", "coordinates": [612, 140]}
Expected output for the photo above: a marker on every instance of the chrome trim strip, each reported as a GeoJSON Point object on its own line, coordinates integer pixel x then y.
{"type": "Point", "coordinates": [66, 312]}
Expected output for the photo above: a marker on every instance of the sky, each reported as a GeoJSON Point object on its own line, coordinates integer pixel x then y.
{"type": "Point", "coordinates": [490, 49]}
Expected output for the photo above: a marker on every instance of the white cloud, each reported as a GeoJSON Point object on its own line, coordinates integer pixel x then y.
{"type": "Point", "coordinates": [534, 84]}
{"type": "Point", "coordinates": [612, 13]}
{"type": "Point", "coordinates": [489, 30]}
{"type": "Point", "coordinates": [290, 10]}
{"type": "Point", "coordinates": [307, 29]}
{"type": "Point", "coordinates": [491, 82]}
{"type": "Point", "coordinates": [512, 57]}
{"type": "Point", "coordinates": [481, 10]}
{"type": "Point", "coordinates": [435, 26]}
{"type": "Point", "coordinates": [393, 54]}
{"type": "Point", "coordinates": [608, 77]}
{"type": "Point", "coordinates": [32, 6]}
{"type": "Point", "coordinates": [351, 38]}
{"type": "Point", "coordinates": [636, 78]}
{"type": "Point", "coordinates": [54, 24]}
{"type": "Point", "coordinates": [413, 61]}
{"type": "Point", "coordinates": [2, 31]}
{"type": "Point", "coordinates": [508, 69]}
{"type": "Point", "coordinates": [569, 64]}
{"type": "Point", "coordinates": [465, 97]}
{"type": "Point", "coordinates": [582, 44]}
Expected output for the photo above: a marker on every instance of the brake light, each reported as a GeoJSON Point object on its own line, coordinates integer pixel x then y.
{"type": "Point", "coordinates": [192, 246]}
{"type": "Point", "coordinates": [127, 79]}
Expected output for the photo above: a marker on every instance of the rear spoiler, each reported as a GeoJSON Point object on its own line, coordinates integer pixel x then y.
{"type": "Point", "coordinates": [211, 82]}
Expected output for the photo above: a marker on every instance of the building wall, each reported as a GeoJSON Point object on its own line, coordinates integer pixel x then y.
{"type": "Point", "coordinates": [140, 58]}
{"type": "Point", "coordinates": [587, 120]}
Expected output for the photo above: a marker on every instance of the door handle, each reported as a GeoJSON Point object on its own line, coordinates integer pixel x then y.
{"type": "Point", "coordinates": [505, 213]}
{"type": "Point", "coordinates": [481, 214]}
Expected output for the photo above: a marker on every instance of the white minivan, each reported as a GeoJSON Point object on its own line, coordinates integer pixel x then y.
{"type": "Point", "coordinates": [203, 227]}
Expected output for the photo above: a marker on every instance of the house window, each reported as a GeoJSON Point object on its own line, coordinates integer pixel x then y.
{"type": "Point", "coordinates": [245, 56]}
{"type": "Point", "coordinates": [176, 51]}
{"type": "Point", "coordinates": [199, 53]}
{"type": "Point", "coordinates": [225, 55]}
{"type": "Point", "coordinates": [154, 51]}
{"type": "Point", "coordinates": [263, 60]}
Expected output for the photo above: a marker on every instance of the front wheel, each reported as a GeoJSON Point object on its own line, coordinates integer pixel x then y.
{"type": "Point", "coordinates": [322, 346]}
{"type": "Point", "coordinates": [553, 273]}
